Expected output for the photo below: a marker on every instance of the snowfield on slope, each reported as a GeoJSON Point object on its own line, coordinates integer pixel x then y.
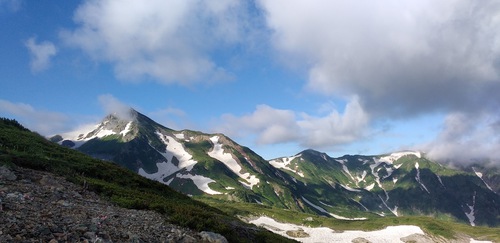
{"type": "Point", "coordinates": [389, 159]}
{"type": "Point", "coordinates": [226, 158]}
{"type": "Point", "coordinates": [201, 182]}
{"type": "Point", "coordinates": [282, 163]}
{"type": "Point", "coordinates": [324, 234]}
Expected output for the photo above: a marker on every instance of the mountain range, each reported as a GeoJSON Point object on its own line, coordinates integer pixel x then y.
{"type": "Point", "coordinates": [351, 187]}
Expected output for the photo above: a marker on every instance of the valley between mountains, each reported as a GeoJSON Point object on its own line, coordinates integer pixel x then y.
{"type": "Point", "coordinates": [308, 188]}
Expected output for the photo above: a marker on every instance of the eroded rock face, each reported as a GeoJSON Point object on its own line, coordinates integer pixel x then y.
{"type": "Point", "coordinates": [37, 206]}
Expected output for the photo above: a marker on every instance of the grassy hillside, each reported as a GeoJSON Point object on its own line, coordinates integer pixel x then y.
{"type": "Point", "coordinates": [21, 147]}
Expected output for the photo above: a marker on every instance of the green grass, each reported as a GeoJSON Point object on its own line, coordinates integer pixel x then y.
{"type": "Point", "coordinates": [20, 147]}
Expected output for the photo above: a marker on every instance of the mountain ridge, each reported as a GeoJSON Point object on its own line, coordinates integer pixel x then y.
{"type": "Point", "coordinates": [351, 187]}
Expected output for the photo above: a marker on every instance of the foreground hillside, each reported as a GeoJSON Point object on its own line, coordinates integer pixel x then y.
{"type": "Point", "coordinates": [20, 148]}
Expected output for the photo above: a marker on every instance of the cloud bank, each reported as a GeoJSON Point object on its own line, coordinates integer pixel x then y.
{"type": "Point", "coordinates": [272, 126]}
{"type": "Point", "coordinates": [44, 122]}
{"type": "Point", "coordinates": [403, 60]}
{"type": "Point", "coordinates": [169, 41]}
{"type": "Point", "coordinates": [112, 105]}
{"type": "Point", "coordinates": [465, 139]}
{"type": "Point", "coordinates": [400, 58]}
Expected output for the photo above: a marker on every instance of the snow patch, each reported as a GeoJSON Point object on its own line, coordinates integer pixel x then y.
{"type": "Point", "coordinates": [370, 187]}
{"type": "Point", "coordinates": [179, 135]}
{"type": "Point", "coordinates": [164, 170]}
{"type": "Point", "coordinates": [440, 181]}
{"type": "Point", "coordinates": [315, 206]}
{"type": "Point", "coordinates": [324, 234]}
{"type": "Point", "coordinates": [283, 163]}
{"type": "Point", "coordinates": [174, 148]}
{"type": "Point", "coordinates": [328, 205]}
{"type": "Point", "coordinates": [389, 159]}
{"type": "Point", "coordinates": [229, 188]}
{"type": "Point", "coordinates": [127, 129]}
{"type": "Point", "coordinates": [201, 182]}
{"type": "Point", "coordinates": [393, 210]}
{"type": "Point", "coordinates": [344, 218]}
{"type": "Point", "coordinates": [479, 241]}
{"type": "Point", "coordinates": [362, 178]}
{"type": "Point", "coordinates": [480, 175]}
{"type": "Point", "coordinates": [226, 158]}
{"type": "Point", "coordinates": [418, 178]}
{"type": "Point", "coordinates": [169, 181]}
{"type": "Point", "coordinates": [349, 188]}
{"type": "Point", "coordinates": [470, 214]}
{"type": "Point", "coordinates": [326, 212]}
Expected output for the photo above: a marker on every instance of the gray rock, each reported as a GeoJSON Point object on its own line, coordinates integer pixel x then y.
{"type": "Point", "coordinates": [212, 237]}
{"type": "Point", "coordinates": [417, 238]}
{"type": "Point", "coordinates": [360, 240]}
{"type": "Point", "coordinates": [297, 233]}
{"type": "Point", "coordinates": [6, 174]}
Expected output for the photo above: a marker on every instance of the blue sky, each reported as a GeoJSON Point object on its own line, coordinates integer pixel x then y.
{"type": "Point", "coordinates": [343, 77]}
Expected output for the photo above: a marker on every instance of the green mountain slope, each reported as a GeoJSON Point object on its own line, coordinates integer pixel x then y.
{"type": "Point", "coordinates": [404, 183]}
{"type": "Point", "coordinates": [20, 147]}
{"type": "Point", "coordinates": [352, 187]}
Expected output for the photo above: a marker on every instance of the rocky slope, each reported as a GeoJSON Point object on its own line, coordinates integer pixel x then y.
{"type": "Point", "coordinates": [38, 206]}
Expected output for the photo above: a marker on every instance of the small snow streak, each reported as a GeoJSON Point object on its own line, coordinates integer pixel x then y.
{"type": "Point", "coordinates": [470, 214]}
{"type": "Point", "coordinates": [480, 175]}
{"type": "Point", "coordinates": [418, 178]}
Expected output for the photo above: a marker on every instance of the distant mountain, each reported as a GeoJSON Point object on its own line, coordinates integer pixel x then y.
{"type": "Point", "coordinates": [352, 187]}
{"type": "Point", "coordinates": [402, 183]}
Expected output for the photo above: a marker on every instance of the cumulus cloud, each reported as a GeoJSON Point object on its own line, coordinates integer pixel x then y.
{"type": "Point", "coordinates": [467, 139]}
{"type": "Point", "coordinates": [272, 126]}
{"type": "Point", "coordinates": [41, 54]}
{"type": "Point", "coordinates": [43, 122]}
{"type": "Point", "coordinates": [112, 105]}
{"type": "Point", "coordinates": [169, 41]}
{"type": "Point", "coordinates": [401, 58]}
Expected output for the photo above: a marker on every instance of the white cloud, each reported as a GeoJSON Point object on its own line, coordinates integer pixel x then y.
{"type": "Point", "coordinates": [273, 126]}
{"type": "Point", "coordinates": [335, 128]}
{"type": "Point", "coordinates": [112, 105]}
{"type": "Point", "coordinates": [44, 122]}
{"type": "Point", "coordinates": [467, 139]}
{"type": "Point", "coordinates": [41, 53]}
{"type": "Point", "coordinates": [169, 41]}
{"type": "Point", "coordinates": [402, 58]}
